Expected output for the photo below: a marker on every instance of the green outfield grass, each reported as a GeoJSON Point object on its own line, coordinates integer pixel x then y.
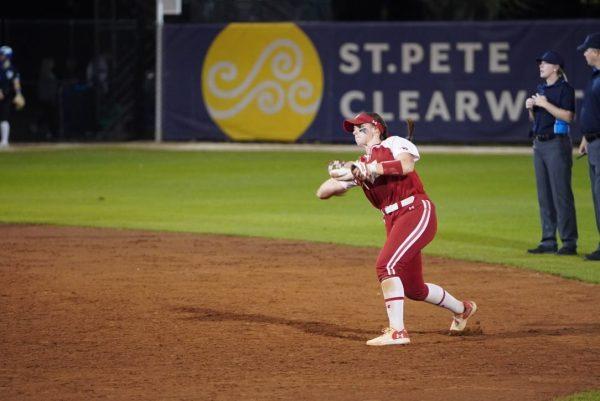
{"type": "Point", "coordinates": [487, 208]}
{"type": "Point", "coordinates": [592, 395]}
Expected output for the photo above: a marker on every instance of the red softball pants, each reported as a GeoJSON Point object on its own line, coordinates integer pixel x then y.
{"type": "Point", "coordinates": [409, 230]}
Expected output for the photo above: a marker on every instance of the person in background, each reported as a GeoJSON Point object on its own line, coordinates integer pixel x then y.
{"type": "Point", "coordinates": [10, 92]}
{"type": "Point", "coordinates": [589, 122]}
{"type": "Point", "coordinates": [97, 74]}
{"type": "Point", "coordinates": [551, 110]}
{"type": "Point", "coordinates": [48, 95]}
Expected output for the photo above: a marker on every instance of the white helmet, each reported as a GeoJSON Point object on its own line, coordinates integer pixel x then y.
{"type": "Point", "coordinates": [6, 51]}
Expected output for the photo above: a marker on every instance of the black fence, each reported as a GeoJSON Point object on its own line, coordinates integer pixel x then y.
{"type": "Point", "coordinates": [83, 80]}
{"type": "Point", "coordinates": [90, 76]}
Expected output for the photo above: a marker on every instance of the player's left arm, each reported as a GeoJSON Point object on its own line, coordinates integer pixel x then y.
{"type": "Point", "coordinates": [556, 111]}
{"type": "Point", "coordinates": [561, 114]}
{"type": "Point", "coordinates": [17, 84]}
{"type": "Point", "coordinates": [19, 99]}
{"type": "Point", "coordinates": [405, 156]}
{"type": "Point", "coordinates": [403, 164]}
{"type": "Point", "coordinates": [333, 187]}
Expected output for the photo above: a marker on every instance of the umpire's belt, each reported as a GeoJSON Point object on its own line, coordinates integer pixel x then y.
{"type": "Point", "coordinates": [395, 206]}
{"type": "Point", "coordinates": [592, 137]}
{"type": "Point", "coordinates": [545, 137]}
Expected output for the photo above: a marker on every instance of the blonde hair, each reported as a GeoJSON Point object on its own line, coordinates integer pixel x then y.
{"type": "Point", "coordinates": [562, 73]}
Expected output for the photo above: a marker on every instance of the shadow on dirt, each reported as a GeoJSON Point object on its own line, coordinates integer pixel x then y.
{"type": "Point", "coordinates": [310, 327]}
{"type": "Point", "coordinates": [315, 328]}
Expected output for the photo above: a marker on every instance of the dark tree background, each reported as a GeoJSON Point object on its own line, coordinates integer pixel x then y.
{"type": "Point", "coordinates": [315, 10]}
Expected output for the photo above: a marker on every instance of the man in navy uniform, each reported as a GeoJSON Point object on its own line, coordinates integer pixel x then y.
{"type": "Point", "coordinates": [589, 121]}
{"type": "Point", "coordinates": [10, 92]}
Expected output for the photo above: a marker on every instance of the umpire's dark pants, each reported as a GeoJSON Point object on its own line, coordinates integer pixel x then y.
{"type": "Point", "coordinates": [553, 161]}
{"type": "Point", "coordinates": [593, 151]}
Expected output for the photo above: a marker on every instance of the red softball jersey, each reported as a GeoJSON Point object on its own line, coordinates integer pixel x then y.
{"type": "Point", "coordinates": [389, 189]}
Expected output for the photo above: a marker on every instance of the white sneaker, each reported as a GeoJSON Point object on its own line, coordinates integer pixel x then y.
{"type": "Point", "coordinates": [459, 322]}
{"type": "Point", "coordinates": [391, 337]}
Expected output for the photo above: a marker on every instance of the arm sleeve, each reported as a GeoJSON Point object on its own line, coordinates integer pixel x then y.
{"type": "Point", "coordinates": [400, 145]}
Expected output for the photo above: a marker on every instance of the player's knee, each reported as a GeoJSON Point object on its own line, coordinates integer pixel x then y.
{"type": "Point", "coordinates": [416, 294]}
{"type": "Point", "coordinates": [383, 273]}
{"type": "Point", "coordinates": [383, 270]}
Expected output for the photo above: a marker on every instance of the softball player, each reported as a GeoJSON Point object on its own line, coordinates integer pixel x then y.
{"type": "Point", "coordinates": [10, 92]}
{"type": "Point", "coordinates": [386, 173]}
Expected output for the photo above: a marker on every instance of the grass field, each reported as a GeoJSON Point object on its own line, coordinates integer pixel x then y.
{"type": "Point", "coordinates": [583, 396]}
{"type": "Point", "coordinates": [486, 204]}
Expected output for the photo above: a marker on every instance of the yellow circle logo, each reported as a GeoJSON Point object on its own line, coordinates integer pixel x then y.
{"type": "Point", "coordinates": [262, 81]}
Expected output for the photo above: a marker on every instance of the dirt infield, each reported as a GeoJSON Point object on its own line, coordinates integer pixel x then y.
{"type": "Point", "coordinates": [133, 315]}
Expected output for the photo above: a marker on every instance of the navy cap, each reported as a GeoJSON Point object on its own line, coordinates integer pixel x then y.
{"type": "Point", "coordinates": [592, 40]}
{"type": "Point", "coordinates": [551, 58]}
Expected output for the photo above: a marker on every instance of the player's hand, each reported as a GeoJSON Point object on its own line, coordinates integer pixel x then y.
{"type": "Point", "coordinates": [359, 171]}
{"type": "Point", "coordinates": [340, 170]}
{"type": "Point", "coordinates": [19, 101]}
{"type": "Point", "coordinates": [583, 147]}
{"type": "Point", "coordinates": [540, 100]}
{"type": "Point", "coordinates": [529, 103]}
{"type": "Point", "coordinates": [364, 171]}
{"type": "Point", "coordinates": [1, 95]}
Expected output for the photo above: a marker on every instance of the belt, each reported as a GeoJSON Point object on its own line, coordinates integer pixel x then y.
{"type": "Point", "coordinates": [395, 206]}
{"type": "Point", "coordinates": [592, 137]}
{"type": "Point", "coordinates": [545, 137]}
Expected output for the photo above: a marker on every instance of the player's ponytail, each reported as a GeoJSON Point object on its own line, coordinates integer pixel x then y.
{"type": "Point", "coordinates": [562, 73]}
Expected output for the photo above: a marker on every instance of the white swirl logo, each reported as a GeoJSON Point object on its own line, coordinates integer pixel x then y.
{"type": "Point", "coordinates": [269, 94]}
{"type": "Point", "coordinates": [279, 79]}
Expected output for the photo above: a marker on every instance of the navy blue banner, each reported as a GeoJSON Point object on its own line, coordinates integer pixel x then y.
{"type": "Point", "coordinates": [460, 82]}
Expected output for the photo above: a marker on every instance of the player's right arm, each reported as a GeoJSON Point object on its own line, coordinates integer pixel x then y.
{"type": "Point", "coordinates": [333, 187]}
{"type": "Point", "coordinates": [529, 103]}
{"type": "Point", "coordinates": [17, 84]}
{"type": "Point", "coordinates": [405, 155]}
